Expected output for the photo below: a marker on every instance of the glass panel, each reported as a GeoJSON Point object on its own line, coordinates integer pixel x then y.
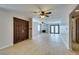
{"type": "Point", "coordinates": [56, 29]}
{"type": "Point", "coordinates": [52, 29]}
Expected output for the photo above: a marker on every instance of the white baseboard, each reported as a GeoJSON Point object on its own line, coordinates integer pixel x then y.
{"type": "Point", "coordinates": [6, 46]}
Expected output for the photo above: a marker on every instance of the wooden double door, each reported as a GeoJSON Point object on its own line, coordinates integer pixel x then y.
{"type": "Point", "coordinates": [21, 30]}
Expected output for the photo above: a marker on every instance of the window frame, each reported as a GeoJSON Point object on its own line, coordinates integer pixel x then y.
{"type": "Point", "coordinates": [54, 29]}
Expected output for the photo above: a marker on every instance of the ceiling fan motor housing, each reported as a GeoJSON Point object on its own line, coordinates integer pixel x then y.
{"type": "Point", "coordinates": [42, 13]}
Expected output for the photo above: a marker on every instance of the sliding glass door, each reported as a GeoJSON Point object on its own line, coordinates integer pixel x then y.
{"type": "Point", "coordinates": [54, 29]}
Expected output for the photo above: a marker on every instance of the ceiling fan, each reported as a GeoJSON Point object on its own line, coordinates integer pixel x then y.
{"type": "Point", "coordinates": [43, 13]}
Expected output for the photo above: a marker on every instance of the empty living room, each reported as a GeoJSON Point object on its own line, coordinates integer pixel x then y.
{"type": "Point", "coordinates": [39, 29]}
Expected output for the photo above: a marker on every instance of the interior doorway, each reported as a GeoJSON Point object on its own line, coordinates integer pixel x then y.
{"type": "Point", "coordinates": [21, 30]}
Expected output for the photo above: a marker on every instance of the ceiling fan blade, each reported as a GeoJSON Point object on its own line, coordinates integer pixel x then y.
{"type": "Point", "coordinates": [49, 9]}
{"type": "Point", "coordinates": [49, 13]}
{"type": "Point", "coordinates": [35, 12]}
{"type": "Point", "coordinates": [46, 15]}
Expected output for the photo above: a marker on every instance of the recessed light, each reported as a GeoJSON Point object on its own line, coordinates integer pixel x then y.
{"type": "Point", "coordinates": [76, 10]}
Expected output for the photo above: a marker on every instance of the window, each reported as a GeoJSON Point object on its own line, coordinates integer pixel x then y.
{"type": "Point", "coordinates": [39, 27]}
{"type": "Point", "coordinates": [54, 29]}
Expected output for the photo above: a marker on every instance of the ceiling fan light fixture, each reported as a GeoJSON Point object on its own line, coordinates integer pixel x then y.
{"type": "Point", "coordinates": [42, 16]}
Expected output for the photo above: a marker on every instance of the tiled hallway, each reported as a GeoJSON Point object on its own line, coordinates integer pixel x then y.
{"type": "Point", "coordinates": [44, 44]}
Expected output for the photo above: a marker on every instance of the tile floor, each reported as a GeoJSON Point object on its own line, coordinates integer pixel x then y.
{"type": "Point", "coordinates": [44, 44]}
{"type": "Point", "coordinates": [75, 47]}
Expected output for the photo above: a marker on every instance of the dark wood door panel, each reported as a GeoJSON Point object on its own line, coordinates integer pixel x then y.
{"type": "Point", "coordinates": [77, 30]}
{"type": "Point", "coordinates": [21, 30]}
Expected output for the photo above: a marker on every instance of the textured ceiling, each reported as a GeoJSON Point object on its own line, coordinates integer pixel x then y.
{"type": "Point", "coordinates": [29, 8]}
{"type": "Point", "coordinates": [75, 14]}
{"type": "Point", "coordinates": [56, 9]}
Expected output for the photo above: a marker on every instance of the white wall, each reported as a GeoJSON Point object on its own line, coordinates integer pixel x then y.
{"type": "Point", "coordinates": [35, 31]}
{"type": "Point", "coordinates": [45, 27]}
{"type": "Point", "coordinates": [67, 35]}
{"type": "Point", "coordinates": [35, 24]}
{"type": "Point", "coordinates": [6, 27]}
{"type": "Point", "coordinates": [66, 17]}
